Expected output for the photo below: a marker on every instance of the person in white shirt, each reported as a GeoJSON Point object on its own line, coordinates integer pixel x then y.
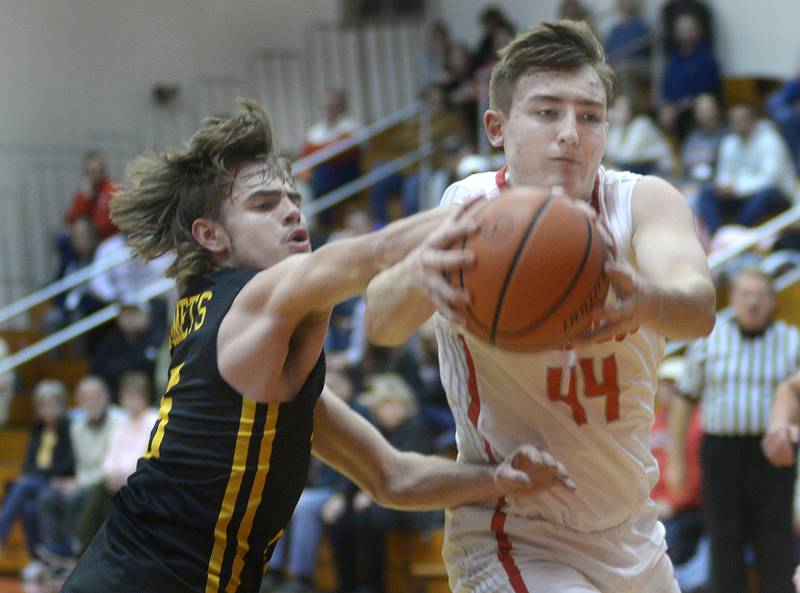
{"type": "Point", "coordinates": [591, 406]}
{"type": "Point", "coordinates": [635, 143]}
{"type": "Point", "coordinates": [755, 176]}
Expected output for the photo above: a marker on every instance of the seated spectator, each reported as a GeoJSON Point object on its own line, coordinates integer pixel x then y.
{"type": "Point", "coordinates": [635, 143]}
{"type": "Point", "coordinates": [629, 47]}
{"type": "Point", "coordinates": [492, 19]}
{"type": "Point", "coordinates": [392, 407]}
{"type": "Point", "coordinates": [127, 443]}
{"type": "Point", "coordinates": [63, 499]}
{"type": "Point", "coordinates": [94, 195]}
{"type": "Point", "coordinates": [461, 89]}
{"type": "Point", "coordinates": [130, 345]}
{"type": "Point", "coordinates": [784, 109]}
{"type": "Point", "coordinates": [670, 12]}
{"type": "Point", "coordinates": [336, 124]}
{"type": "Point", "coordinates": [127, 279]}
{"type": "Point", "coordinates": [755, 177]}
{"type": "Point", "coordinates": [78, 302]}
{"type": "Point", "coordinates": [700, 150]}
{"type": "Point", "coordinates": [573, 10]}
{"type": "Point", "coordinates": [681, 511]}
{"type": "Point", "coordinates": [6, 386]}
{"type": "Point", "coordinates": [434, 59]}
{"type": "Point", "coordinates": [322, 503]}
{"type": "Point", "coordinates": [48, 457]}
{"type": "Point", "coordinates": [691, 70]}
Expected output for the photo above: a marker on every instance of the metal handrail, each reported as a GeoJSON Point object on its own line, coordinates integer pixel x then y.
{"type": "Point", "coordinates": [114, 259]}
{"type": "Point", "coordinates": [358, 137]}
{"type": "Point", "coordinates": [299, 166]}
{"type": "Point", "coordinates": [79, 327]}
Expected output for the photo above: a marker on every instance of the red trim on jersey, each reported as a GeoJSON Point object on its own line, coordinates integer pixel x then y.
{"type": "Point", "coordinates": [504, 549]}
{"type": "Point", "coordinates": [502, 183]}
{"type": "Point", "coordinates": [499, 518]}
{"type": "Point", "coordinates": [474, 410]}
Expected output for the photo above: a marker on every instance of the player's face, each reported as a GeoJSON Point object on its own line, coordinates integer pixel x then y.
{"type": "Point", "coordinates": [262, 219]}
{"type": "Point", "coordinates": [555, 131]}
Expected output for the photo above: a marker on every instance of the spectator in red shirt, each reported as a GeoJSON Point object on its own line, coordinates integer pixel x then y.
{"type": "Point", "coordinates": [94, 195]}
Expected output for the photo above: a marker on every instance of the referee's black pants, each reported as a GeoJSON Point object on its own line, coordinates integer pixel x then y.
{"type": "Point", "coordinates": [747, 499]}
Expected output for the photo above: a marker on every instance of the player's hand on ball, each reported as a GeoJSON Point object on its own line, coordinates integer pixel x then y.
{"type": "Point", "coordinates": [778, 444]}
{"type": "Point", "coordinates": [634, 301]}
{"type": "Point", "coordinates": [434, 259]}
{"type": "Point", "coordinates": [529, 470]}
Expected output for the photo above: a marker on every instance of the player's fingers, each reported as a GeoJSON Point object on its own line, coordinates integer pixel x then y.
{"type": "Point", "coordinates": [446, 261]}
{"type": "Point", "coordinates": [510, 477]}
{"type": "Point", "coordinates": [452, 233]}
{"type": "Point", "coordinates": [620, 276]}
{"type": "Point", "coordinates": [471, 205]}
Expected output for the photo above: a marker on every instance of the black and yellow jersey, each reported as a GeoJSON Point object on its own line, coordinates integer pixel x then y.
{"type": "Point", "coordinates": [220, 477]}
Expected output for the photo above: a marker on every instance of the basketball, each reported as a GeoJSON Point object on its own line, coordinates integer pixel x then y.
{"type": "Point", "coordinates": [538, 270]}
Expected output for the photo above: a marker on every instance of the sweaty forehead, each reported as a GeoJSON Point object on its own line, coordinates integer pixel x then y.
{"type": "Point", "coordinates": [583, 83]}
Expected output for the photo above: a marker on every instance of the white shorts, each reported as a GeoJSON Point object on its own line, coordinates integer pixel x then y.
{"type": "Point", "coordinates": [491, 552]}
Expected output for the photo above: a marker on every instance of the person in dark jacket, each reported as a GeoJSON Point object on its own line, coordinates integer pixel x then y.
{"type": "Point", "coordinates": [48, 458]}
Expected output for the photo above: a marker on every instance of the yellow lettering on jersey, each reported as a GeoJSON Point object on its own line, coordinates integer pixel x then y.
{"type": "Point", "coordinates": [190, 314]}
{"type": "Point", "coordinates": [231, 493]}
{"type": "Point", "coordinates": [264, 454]}
{"type": "Point", "coordinates": [201, 309]}
{"type": "Point", "coordinates": [154, 450]}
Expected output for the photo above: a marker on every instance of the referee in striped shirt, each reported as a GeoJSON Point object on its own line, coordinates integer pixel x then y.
{"type": "Point", "coordinates": [734, 373]}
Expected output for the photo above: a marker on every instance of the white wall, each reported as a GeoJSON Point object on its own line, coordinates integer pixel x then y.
{"type": "Point", "coordinates": [753, 37]}
{"type": "Point", "coordinates": [75, 69]}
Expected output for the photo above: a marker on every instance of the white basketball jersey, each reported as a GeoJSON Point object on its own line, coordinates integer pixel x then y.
{"type": "Point", "coordinates": [590, 407]}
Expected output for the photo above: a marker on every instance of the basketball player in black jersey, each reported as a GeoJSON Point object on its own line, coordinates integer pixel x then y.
{"type": "Point", "coordinates": [245, 401]}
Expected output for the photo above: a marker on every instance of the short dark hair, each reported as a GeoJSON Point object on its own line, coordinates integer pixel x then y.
{"type": "Point", "coordinates": [554, 45]}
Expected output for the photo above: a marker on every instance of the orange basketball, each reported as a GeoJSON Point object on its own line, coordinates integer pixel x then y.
{"type": "Point", "coordinates": [538, 270]}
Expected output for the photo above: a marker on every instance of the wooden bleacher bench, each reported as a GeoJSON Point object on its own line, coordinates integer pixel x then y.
{"type": "Point", "coordinates": [14, 441]}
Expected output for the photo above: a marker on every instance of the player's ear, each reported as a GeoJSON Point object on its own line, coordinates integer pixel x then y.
{"type": "Point", "coordinates": [493, 122]}
{"type": "Point", "coordinates": [210, 235]}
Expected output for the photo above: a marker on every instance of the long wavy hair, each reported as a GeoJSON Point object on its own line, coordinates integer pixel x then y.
{"type": "Point", "coordinates": [167, 191]}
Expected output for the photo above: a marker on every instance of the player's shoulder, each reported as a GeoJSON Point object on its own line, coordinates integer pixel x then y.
{"type": "Point", "coordinates": [476, 184]}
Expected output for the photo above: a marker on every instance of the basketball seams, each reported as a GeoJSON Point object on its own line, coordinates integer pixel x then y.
{"type": "Point", "coordinates": [517, 255]}
{"type": "Point", "coordinates": [564, 295]}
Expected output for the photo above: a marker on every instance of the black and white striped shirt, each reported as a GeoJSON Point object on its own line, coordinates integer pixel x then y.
{"type": "Point", "coordinates": [735, 376]}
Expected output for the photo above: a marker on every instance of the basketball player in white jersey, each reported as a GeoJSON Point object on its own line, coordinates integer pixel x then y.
{"type": "Point", "coordinates": [590, 406]}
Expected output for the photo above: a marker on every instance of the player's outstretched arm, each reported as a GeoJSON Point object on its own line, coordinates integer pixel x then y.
{"type": "Point", "coordinates": [289, 303]}
{"type": "Point", "coordinates": [671, 289]}
{"type": "Point", "coordinates": [401, 298]}
{"type": "Point", "coordinates": [405, 480]}
{"type": "Point", "coordinates": [783, 431]}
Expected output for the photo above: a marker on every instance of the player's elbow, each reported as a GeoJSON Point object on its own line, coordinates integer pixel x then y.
{"type": "Point", "coordinates": [393, 488]}
{"type": "Point", "coordinates": [707, 315]}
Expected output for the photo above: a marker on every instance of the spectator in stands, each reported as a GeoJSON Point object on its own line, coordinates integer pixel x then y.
{"type": "Point", "coordinates": [62, 500]}
{"type": "Point", "coordinates": [392, 407]}
{"type": "Point", "coordinates": [680, 512]}
{"type": "Point", "coordinates": [6, 386]}
{"type": "Point", "coordinates": [700, 149]}
{"type": "Point", "coordinates": [734, 373]}
{"type": "Point", "coordinates": [629, 46]}
{"type": "Point", "coordinates": [755, 177]}
{"type": "Point", "coordinates": [672, 9]}
{"type": "Point", "coordinates": [573, 10]}
{"type": "Point", "coordinates": [691, 70]}
{"type": "Point", "coordinates": [784, 109]}
{"type": "Point", "coordinates": [491, 20]}
{"type": "Point", "coordinates": [323, 502]}
{"type": "Point", "coordinates": [127, 443]}
{"type": "Point", "coordinates": [634, 142]}
{"type": "Point", "coordinates": [49, 457]}
{"type": "Point", "coordinates": [94, 195]}
{"type": "Point", "coordinates": [78, 302]}
{"type": "Point", "coordinates": [461, 89]}
{"type": "Point", "coordinates": [131, 345]}
{"type": "Point", "coordinates": [124, 281]}
{"type": "Point", "coordinates": [336, 124]}
{"type": "Point", "coordinates": [434, 64]}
